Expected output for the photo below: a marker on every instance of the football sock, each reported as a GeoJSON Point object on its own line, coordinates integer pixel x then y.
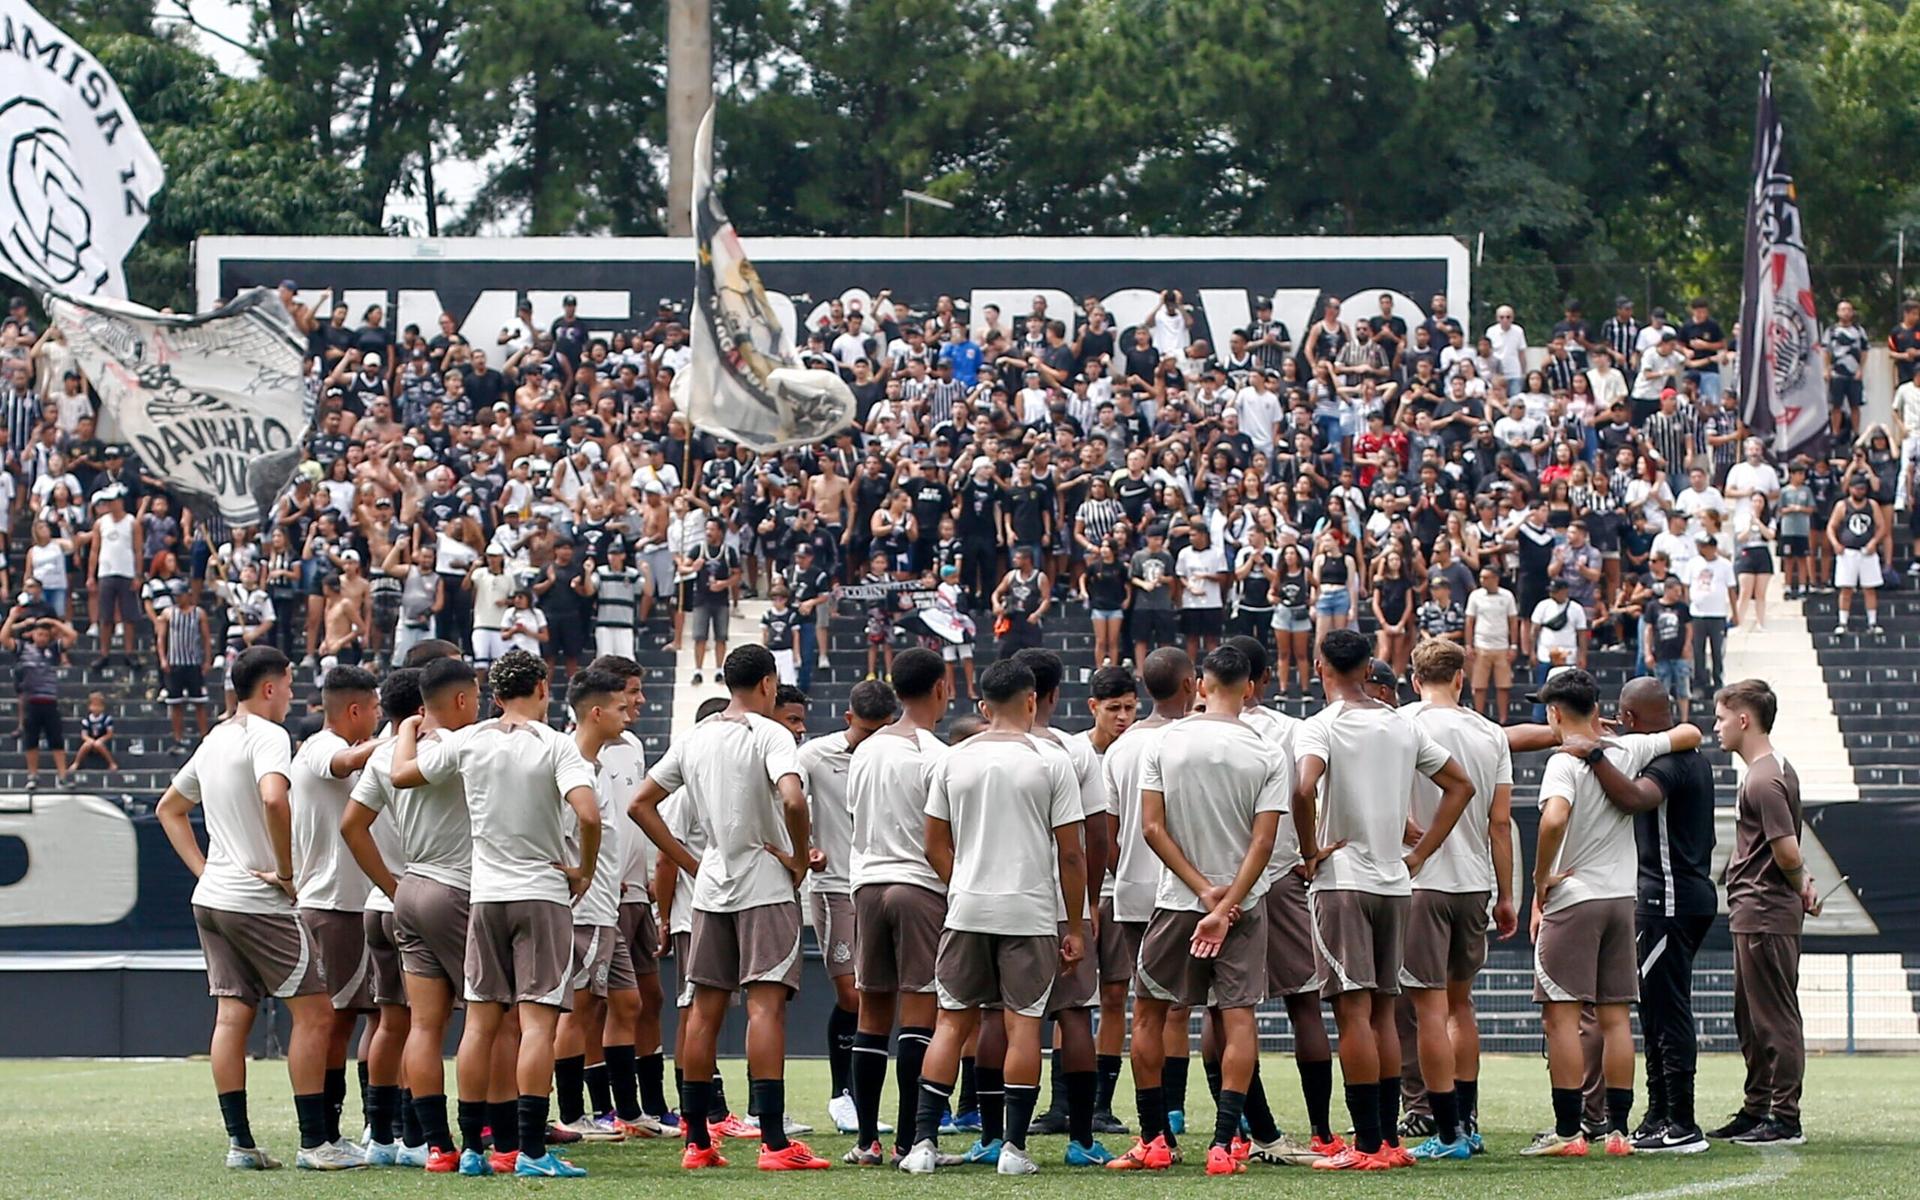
{"type": "Point", "coordinates": [622, 1081]}
{"type": "Point", "coordinates": [1108, 1066]}
{"type": "Point", "coordinates": [383, 1109]}
{"type": "Point", "coordinates": [841, 1027]}
{"type": "Point", "coordinates": [993, 1104]}
{"type": "Point", "coordinates": [472, 1115]}
{"type": "Point", "coordinates": [1316, 1087]}
{"type": "Point", "coordinates": [932, 1106]}
{"type": "Point", "coordinates": [531, 1112]}
{"type": "Point", "coordinates": [568, 1075]}
{"type": "Point", "coordinates": [1173, 1082]}
{"type": "Point", "coordinates": [1253, 1104]}
{"type": "Point", "coordinates": [1619, 1109]}
{"type": "Point", "coordinates": [233, 1113]}
{"type": "Point", "coordinates": [599, 1089]}
{"type": "Point", "coordinates": [652, 1070]}
{"type": "Point", "coordinates": [1388, 1093]}
{"type": "Point", "coordinates": [431, 1113]}
{"type": "Point", "coordinates": [503, 1117]}
{"type": "Point", "coordinates": [1363, 1106]}
{"type": "Point", "coordinates": [1056, 1082]}
{"type": "Point", "coordinates": [311, 1112]}
{"type": "Point", "coordinates": [1566, 1111]}
{"type": "Point", "coordinates": [1151, 1103]}
{"type": "Point", "coordinates": [366, 1105]}
{"type": "Point", "coordinates": [412, 1132]}
{"type": "Point", "coordinates": [969, 1098]}
{"type": "Point", "coordinates": [696, 1100]}
{"type": "Point", "coordinates": [909, 1053]}
{"type": "Point", "coordinates": [1021, 1100]}
{"type": "Point", "coordinates": [770, 1099]}
{"type": "Point", "coordinates": [1467, 1091]}
{"type": "Point", "coordinates": [1226, 1118]}
{"type": "Point", "coordinates": [869, 1080]}
{"type": "Point", "coordinates": [1082, 1087]}
{"type": "Point", "coordinates": [1446, 1115]}
{"type": "Point", "coordinates": [335, 1083]}
{"type": "Point", "coordinates": [1212, 1068]}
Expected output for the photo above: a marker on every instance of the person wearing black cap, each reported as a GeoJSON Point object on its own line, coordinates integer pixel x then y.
{"type": "Point", "coordinates": [1856, 529]}
{"type": "Point", "coordinates": [569, 332]}
{"type": "Point", "coordinates": [615, 587]}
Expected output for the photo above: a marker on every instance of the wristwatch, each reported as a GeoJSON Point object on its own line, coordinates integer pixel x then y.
{"type": "Point", "coordinates": [1593, 757]}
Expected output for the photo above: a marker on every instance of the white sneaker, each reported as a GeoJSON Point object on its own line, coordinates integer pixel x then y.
{"type": "Point", "coordinates": [411, 1156]}
{"type": "Point", "coordinates": [383, 1154]}
{"type": "Point", "coordinates": [796, 1128]}
{"type": "Point", "coordinates": [356, 1149]}
{"type": "Point", "coordinates": [593, 1129]}
{"type": "Point", "coordinates": [921, 1159]}
{"type": "Point", "coordinates": [1015, 1161]}
{"type": "Point", "coordinates": [329, 1156]}
{"type": "Point", "coordinates": [841, 1110]}
{"type": "Point", "coordinates": [1840, 629]}
{"type": "Point", "coordinates": [250, 1158]}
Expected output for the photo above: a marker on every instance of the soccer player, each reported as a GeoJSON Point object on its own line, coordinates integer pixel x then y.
{"type": "Point", "coordinates": [1446, 943]}
{"type": "Point", "coordinates": [519, 773]}
{"type": "Point", "coordinates": [1076, 993]}
{"type": "Point", "coordinates": [899, 902]}
{"type": "Point", "coordinates": [255, 945]}
{"type": "Point", "coordinates": [1004, 832]}
{"type": "Point", "coordinates": [743, 784]}
{"type": "Point", "coordinates": [1114, 701]}
{"type": "Point", "coordinates": [331, 887]}
{"type": "Point", "coordinates": [1366, 755]}
{"type": "Point", "coordinates": [824, 763]}
{"type": "Point", "coordinates": [1769, 894]}
{"type": "Point", "coordinates": [1211, 794]}
{"type": "Point", "coordinates": [1585, 867]}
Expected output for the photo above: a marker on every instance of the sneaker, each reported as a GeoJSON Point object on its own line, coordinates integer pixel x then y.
{"type": "Point", "coordinates": [1551, 1145]}
{"type": "Point", "coordinates": [1326, 1147]}
{"type": "Point", "coordinates": [733, 1127]}
{"type": "Point", "coordinates": [1417, 1125]}
{"type": "Point", "coordinates": [794, 1156]}
{"type": "Point", "coordinates": [865, 1156]}
{"type": "Point", "coordinates": [1177, 1122]}
{"type": "Point", "coordinates": [250, 1158]}
{"type": "Point", "coordinates": [1478, 1143]}
{"type": "Point", "coordinates": [1875, 630]}
{"type": "Point", "coordinates": [964, 1122]}
{"type": "Point", "coordinates": [502, 1162]}
{"type": "Point", "coordinates": [328, 1156]}
{"type": "Point", "coordinates": [1840, 630]}
{"type": "Point", "coordinates": [642, 1126]}
{"type": "Point", "coordinates": [470, 1162]}
{"type": "Point", "coordinates": [1051, 1123]}
{"type": "Point", "coordinates": [411, 1156]}
{"type": "Point", "coordinates": [562, 1135]}
{"type": "Point", "coordinates": [696, 1158]}
{"type": "Point", "coordinates": [1282, 1151]}
{"type": "Point", "coordinates": [669, 1121]}
{"type": "Point", "coordinates": [1016, 1161]}
{"type": "Point", "coordinates": [1617, 1144]}
{"type": "Point", "coordinates": [1397, 1156]}
{"type": "Point", "coordinates": [1672, 1139]}
{"type": "Point", "coordinates": [796, 1128]}
{"type": "Point", "coordinates": [1739, 1125]}
{"type": "Point", "coordinates": [1773, 1132]}
{"type": "Point", "coordinates": [548, 1166]}
{"type": "Point", "coordinates": [1093, 1154]}
{"type": "Point", "coordinates": [1350, 1159]}
{"type": "Point", "coordinates": [1649, 1127]}
{"type": "Point", "coordinates": [983, 1153]}
{"type": "Point", "coordinates": [1106, 1122]}
{"type": "Point", "coordinates": [1144, 1156]}
{"type": "Point", "coordinates": [1435, 1150]}
{"type": "Point", "coordinates": [346, 1146]}
{"type": "Point", "coordinates": [595, 1129]}
{"type": "Point", "coordinates": [923, 1158]}
{"type": "Point", "coordinates": [698, 679]}
{"type": "Point", "coordinates": [843, 1114]}
{"type": "Point", "coordinates": [382, 1154]}
{"type": "Point", "coordinates": [1220, 1161]}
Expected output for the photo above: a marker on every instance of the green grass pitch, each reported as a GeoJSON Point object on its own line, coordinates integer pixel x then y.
{"type": "Point", "coordinates": [147, 1130]}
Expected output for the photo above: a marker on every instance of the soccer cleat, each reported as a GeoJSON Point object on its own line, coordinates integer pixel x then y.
{"type": "Point", "coordinates": [250, 1158]}
{"type": "Point", "coordinates": [1093, 1154]}
{"type": "Point", "coordinates": [964, 1122]}
{"type": "Point", "coordinates": [1416, 1125]}
{"type": "Point", "coordinates": [733, 1127]}
{"type": "Point", "coordinates": [1617, 1144]}
{"type": "Point", "coordinates": [865, 1156]}
{"type": "Point", "coordinates": [1106, 1122]}
{"type": "Point", "coordinates": [1177, 1122]}
{"type": "Point", "coordinates": [669, 1121]}
{"type": "Point", "coordinates": [795, 1128]}
{"type": "Point", "coordinates": [1397, 1156]}
{"type": "Point", "coordinates": [328, 1156]}
{"type": "Point", "coordinates": [411, 1156]}
{"type": "Point", "coordinates": [1672, 1139]}
{"type": "Point", "coordinates": [470, 1162]}
{"type": "Point", "coordinates": [922, 1159]}
{"type": "Point", "coordinates": [382, 1154]}
{"type": "Point", "coordinates": [349, 1147]}
{"type": "Point", "coordinates": [1240, 1147]}
{"type": "Point", "coordinates": [695, 1158]}
{"type": "Point", "coordinates": [1282, 1151]}
{"type": "Point", "coordinates": [1435, 1150]}
{"type": "Point", "coordinates": [595, 1129]}
{"type": "Point", "coordinates": [1551, 1145]}
{"type": "Point", "coordinates": [563, 1135]}
{"type": "Point", "coordinates": [1221, 1161]}
{"type": "Point", "coordinates": [1144, 1156]}
{"type": "Point", "coordinates": [794, 1156]}
{"type": "Point", "coordinates": [1351, 1159]}
{"type": "Point", "coordinates": [1649, 1127]}
{"type": "Point", "coordinates": [503, 1161]}
{"type": "Point", "coordinates": [842, 1112]}
{"type": "Point", "coordinates": [1739, 1125]}
{"type": "Point", "coordinates": [1773, 1132]}
{"type": "Point", "coordinates": [1326, 1147]}
{"type": "Point", "coordinates": [1014, 1160]}
{"type": "Point", "coordinates": [548, 1166]}
{"type": "Point", "coordinates": [642, 1126]}
{"type": "Point", "coordinates": [1051, 1123]}
{"type": "Point", "coordinates": [982, 1153]}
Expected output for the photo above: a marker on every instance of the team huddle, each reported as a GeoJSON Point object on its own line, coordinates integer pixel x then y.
{"type": "Point", "coordinates": [414, 854]}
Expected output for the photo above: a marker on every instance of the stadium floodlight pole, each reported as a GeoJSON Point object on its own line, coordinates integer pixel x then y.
{"type": "Point", "coordinates": [908, 197]}
{"type": "Point", "coordinates": [689, 96]}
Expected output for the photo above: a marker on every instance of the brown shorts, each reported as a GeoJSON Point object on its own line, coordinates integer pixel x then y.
{"type": "Point", "coordinates": [340, 944]}
{"type": "Point", "coordinates": [430, 927]}
{"type": "Point", "coordinates": [1491, 666]}
{"type": "Point", "coordinates": [1294, 966]}
{"type": "Point", "coordinates": [520, 952]}
{"type": "Point", "coordinates": [1446, 939]}
{"type": "Point", "coordinates": [388, 987]}
{"type": "Point", "coordinates": [593, 947]}
{"type": "Point", "coordinates": [1077, 986]}
{"type": "Point", "coordinates": [251, 956]}
{"type": "Point", "coordinates": [1359, 936]}
{"type": "Point", "coordinates": [834, 930]}
{"type": "Point", "coordinates": [1585, 953]}
{"type": "Point", "coordinates": [1234, 978]}
{"type": "Point", "coordinates": [1119, 945]}
{"type": "Point", "coordinates": [995, 970]}
{"type": "Point", "coordinates": [899, 944]}
{"type": "Point", "coordinates": [754, 945]}
{"type": "Point", "coordinates": [629, 963]}
{"type": "Point", "coordinates": [682, 953]}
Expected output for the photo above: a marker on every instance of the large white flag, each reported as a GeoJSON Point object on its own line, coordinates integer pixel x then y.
{"type": "Point", "coordinates": [79, 172]}
{"type": "Point", "coordinates": [216, 404]}
{"type": "Point", "coordinates": [744, 381]}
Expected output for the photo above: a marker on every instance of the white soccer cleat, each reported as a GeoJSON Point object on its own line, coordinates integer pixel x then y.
{"type": "Point", "coordinates": [797, 1128]}
{"type": "Point", "coordinates": [329, 1156]}
{"type": "Point", "coordinates": [922, 1159]}
{"type": "Point", "coordinates": [1016, 1161]}
{"type": "Point", "coordinates": [250, 1158]}
{"type": "Point", "coordinates": [594, 1129]}
{"type": "Point", "coordinates": [843, 1114]}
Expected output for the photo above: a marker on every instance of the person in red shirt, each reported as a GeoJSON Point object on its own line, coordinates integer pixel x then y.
{"type": "Point", "coordinates": [1371, 448]}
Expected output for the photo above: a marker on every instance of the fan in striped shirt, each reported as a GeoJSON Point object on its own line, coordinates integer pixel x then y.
{"type": "Point", "coordinates": [1621, 332]}
{"type": "Point", "coordinates": [1670, 433]}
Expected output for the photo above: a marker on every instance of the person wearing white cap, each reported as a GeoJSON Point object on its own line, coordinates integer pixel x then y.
{"type": "Point", "coordinates": [492, 584]}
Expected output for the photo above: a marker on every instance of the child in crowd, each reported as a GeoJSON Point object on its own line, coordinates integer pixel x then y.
{"type": "Point", "coordinates": [96, 732]}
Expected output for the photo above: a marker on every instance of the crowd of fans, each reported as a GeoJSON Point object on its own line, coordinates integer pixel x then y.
{"type": "Point", "coordinates": [1524, 495]}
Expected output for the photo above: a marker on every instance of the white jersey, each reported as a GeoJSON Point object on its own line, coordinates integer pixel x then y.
{"type": "Point", "coordinates": [223, 778]}
{"type": "Point", "coordinates": [1371, 754]}
{"type": "Point", "coordinates": [1598, 848]}
{"type": "Point", "coordinates": [887, 783]}
{"type": "Point", "coordinates": [1092, 788]}
{"type": "Point", "coordinates": [599, 905]}
{"type": "Point", "coordinates": [436, 841]}
{"type": "Point", "coordinates": [731, 768]}
{"type": "Point", "coordinates": [626, 761]}
{"type": "Point", "coordinates": [679, 816]}
{"type": "Point", "coordinates": [324, 873]}
{"type": "Point", "coordinates": [1003, 799]}
{"type": "Point", "coordinates": [1216, 774]}
{"type": "Point", "coordinates": [1278, 728]}
{"type": "Point", "coordinates": [1136, 870]}
{"type": "Point", "coordinates": [824, 763]}
{"type": "Point", "coordinates": [1464, 861]}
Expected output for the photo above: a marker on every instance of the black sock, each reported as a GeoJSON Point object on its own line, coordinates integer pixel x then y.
{"type": "Point", "coordinates": [1316, 1088]}
{"type": "Point", "coordinates": [1022, 1098]}
{"type": "Point", "coordinates": [1082, 1088]}
{"type": "Point", "coordinates": [503, 1117]}
{"type": "Point", "coordinates": [599, 1089]}
{"type": "Point", "coordinates": [992, 1099]}
{"type": "Point", "coordinates": [311, 1112]}
{"type": "Point", "coordinates": [1363, 1106]}
{"type": "Point", "coordinates": [1253, 1105]}
{"type": "Point", "coordinates": [1619, 1108]}
{"type": "Point", "coordinates": [1467, 1092]}
{"type": "Point", "coordinates": [1226, 1118]}
{"type": "Point", "coordinates": [531, 1112]}
{"type": "Point", "coordinates": [652, 1071]}
{"type": "Point", "coordinates": [472, 1115]}
{"type": "Point", "coordinates": [624, 1085]}
{"type": "Point", "coordinates": [1566, 1111]}
{"type": "Point", "coordinates": [412, 1132]}
{"type": "Point", "coordinates": [931, 1104]}
{"type": "Point", "coordinates": [233, 1112]}
{"type": "Point", "coordinates": [431, 1113]}
{"type": "Point", "coordinates": [1108, 1068]}
{"type": "Point", "coordinates": [770, 1099]}
{"type": "Point", "coordinates": [718, 1109]}
{"type": "Point", "coordinates": [1173, 1083]}
{"type": "Point", "coordinates": [383, 1109]}
{"type": "Point", "coordinates": [679, 1088]}
{"type": "Point", "coordinates": [569, 1074]}
{"type": "Point", "coordinates": [841, 1026]}
{"type": "Point", "coordinates": [1212, 1068]}
{"type": "Point", "coordinates": [1056, 1083]}
{"type": "Point", "coordinates": [1680, 1099]}
{"type": "Point", "coordinates": [336, 1096]}
{"type": "Point", "coordinates": [1387, 1092]}
{"type": "Point", "coordinates": [968, 1100]}
{"type": "Point", "coordinates": [869, 1072]}
{"type": "Point", "coordinates": [366, 1104]}
{"type": "Point", "coordinates": [909, 1053]}
{"type": "Point", "coordinates": [696, 1098]}
{"type": "Point", "coordinates": [1446, 1115]}
{"type": "Point", "coordinates": [1151, 1104]}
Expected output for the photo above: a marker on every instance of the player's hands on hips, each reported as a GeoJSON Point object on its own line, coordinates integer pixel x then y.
{"type": "Point", "coordinates": [578, 880]}
{"type": "Point", "coordinates": [1312, 865]}
{"type": "Point", "coordinates": [796, 864]}
{"type": "Point", "coordinates": [1414, 860]}
{"type": "Point", "coordinates": [272, 880]}
{"type": "Point", "coordinates": [1533, 924]}
{"type": "Point", "coordinates": [1505, 920]}
{"type": "Point", "coordinates": [1209, 934]}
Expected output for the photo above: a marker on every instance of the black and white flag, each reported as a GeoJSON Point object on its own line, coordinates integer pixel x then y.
{"type": "Point", "coordinates": [744, 381]}
{"type": "Point", "coordinates": [78, 171]}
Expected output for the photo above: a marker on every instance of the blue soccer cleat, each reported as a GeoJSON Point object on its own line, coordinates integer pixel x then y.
{"type": "Point", "coordinates": [1435, 1150]}
{"type": "Point", "coordinates": [474, 1162]}
{"type": "Point", "coordinates": [1090, 1155]}
{"type": "Point", "coordinates": [548, 1166]}
{"type": "Point", "coordinates": [987, 1153]}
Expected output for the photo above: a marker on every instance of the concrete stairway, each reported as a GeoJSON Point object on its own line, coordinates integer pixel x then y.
{"type": "Point", "coordinates": [1808, 732]}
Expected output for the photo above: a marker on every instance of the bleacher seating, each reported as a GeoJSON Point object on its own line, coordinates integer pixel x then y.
{"type": "Point", "coordinates": [1875, 685]}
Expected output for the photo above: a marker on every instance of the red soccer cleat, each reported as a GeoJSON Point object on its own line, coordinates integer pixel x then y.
{"type": "Point", "coordinates": [797, 1156]}
{"type": "Point", "coordinates": [1145, 1156]}
{"type": "Point", "coordinates": [443, 1162]}
{"type": "Point", "coordinates": [1221, 1161]}
{"type": "Point", "coordinates": [695, 1158]}
{"type": "Point", "coordinates": [1350, 1159]}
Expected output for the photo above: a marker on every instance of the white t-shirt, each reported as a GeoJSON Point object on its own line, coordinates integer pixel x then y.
{"type": "Point", "coordinates": [1464, 861]}
{"type": "Point", "coordinates": [516, 778]}
{"type": "Point", "coordinates": [1708, 581]}
{"type": "Point", "coordinates": [1278, 728]}
{"type": "Point", "coordinates": [115, 545]}
{"type": "Point", "coordinates": [1260, 411]}
{"type": "Point", "coordinates": [1170, 332]}
{"type": "Point", "coordinates": [1190, 566]}
{"type": "Point", "coordinates": [1567, 637]}
{"type": "Point", "coordinates": [1136, 871]}
{"type": "Point", "coordinates": [600, 904]}
{"type": "Point", "coordinates": [520, 629]}
{"type": "Point", "coordinates": [431, 822]}
{"type": "Point", "coordinates": [626, 761]}
{"type": "Point", "coordinates": [1093, 793]}
{"type": "Point", "coordinates": [1003, 798]}
{"type": "Point", "coordinates": [1598, 848]}
{"type": "Point", "coordinates": [1509, 347]}
{"type": "Point", "coordinates": [1693, 503]}
{"type": "Point", "coordinates": [386, 835]}
{"type": "Point", "coordinates": [492, 597]}
{"type": "Point", "coordinates": [223, 778]}
{"type": "Point", "coordinates": [1216, 773]}
{"type": "Point", "coordinates": [1490, 612]}
{"type": "Point", "coordinates": [1371, 756]}
{"type": "Point", "coordinates": [682, 824]}
{"type": "Point", "coordinates": [823, 770]}
{"type": "Point", "coordinates": [324, 873]}
{"type": "Point", "coordinates": [1751, 477]}
{"type": "Point", "coordinates": [730, 767]}
{"type": "Point", "coordinates": [887, 783]}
